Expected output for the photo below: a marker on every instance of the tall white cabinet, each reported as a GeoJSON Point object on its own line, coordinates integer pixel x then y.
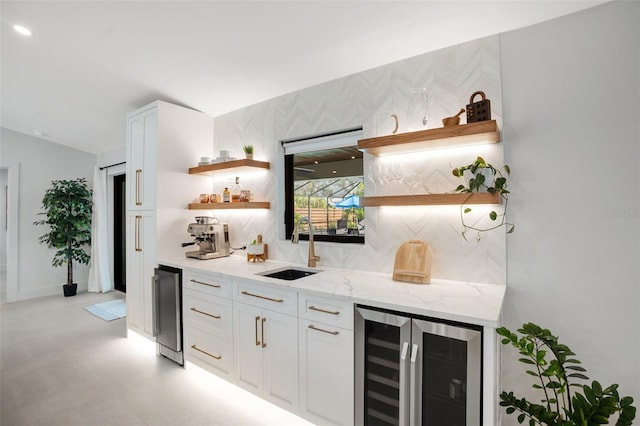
{"type": "Point", "coordinates": [163, 140]}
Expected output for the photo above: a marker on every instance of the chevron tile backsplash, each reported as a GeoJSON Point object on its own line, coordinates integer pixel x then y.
{"type": "Point", "coordinates": [450, 76]}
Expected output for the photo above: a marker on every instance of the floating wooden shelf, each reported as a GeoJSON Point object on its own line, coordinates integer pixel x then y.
{"type": "Point", "coordinates": [233, 164]}
{"type": "Point", "coordinates": [430, 199]}
{"type": "Point", "coordinates": [229, 206]}
{"type": "Point", "coordinates": [422, 140]}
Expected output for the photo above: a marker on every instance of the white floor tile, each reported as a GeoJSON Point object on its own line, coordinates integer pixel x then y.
{"type": "Point", "coordinates": [60, 365]}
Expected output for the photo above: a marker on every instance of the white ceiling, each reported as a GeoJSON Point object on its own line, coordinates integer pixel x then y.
{"type": "Point", "coordinates": [89, 63]}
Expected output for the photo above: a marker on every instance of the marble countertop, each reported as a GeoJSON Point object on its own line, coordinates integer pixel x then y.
{"type": "Point", "coordinates": [472, 303]}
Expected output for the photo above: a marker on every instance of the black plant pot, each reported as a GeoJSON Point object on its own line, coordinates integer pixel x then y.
{"type": "Point", "coordinates": [69, 289]}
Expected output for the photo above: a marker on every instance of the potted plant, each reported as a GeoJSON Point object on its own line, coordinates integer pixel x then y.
{"type": "Point", "coordinates": [67, 207]}
{"type": "Point", "coordinates": [255, 247]}
{"type": "Point", "coordinates": [553, 364]}
{"type": "Point", "coordinates": [248, 151]}
{"type": "Point", "coordinates": [484, 177]}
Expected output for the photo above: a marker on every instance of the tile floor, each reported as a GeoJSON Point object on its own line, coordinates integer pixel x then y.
{"type": "Point", "coordinates": [60, 365]}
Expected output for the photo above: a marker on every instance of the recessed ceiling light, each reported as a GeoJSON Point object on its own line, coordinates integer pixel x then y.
{"type": "Point", "coordinates": [21, 29]}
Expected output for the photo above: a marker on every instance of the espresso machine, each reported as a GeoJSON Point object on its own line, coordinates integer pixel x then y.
{"type": "Point", "coordinates": [211, 236]}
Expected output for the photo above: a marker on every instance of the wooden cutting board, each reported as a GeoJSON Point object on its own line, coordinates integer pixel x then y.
{"type": "Point", "coordinates": [413, 262]}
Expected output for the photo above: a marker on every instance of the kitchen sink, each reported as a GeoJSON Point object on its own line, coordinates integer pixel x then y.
{"type": "Point", "coordinates": [288, 274]}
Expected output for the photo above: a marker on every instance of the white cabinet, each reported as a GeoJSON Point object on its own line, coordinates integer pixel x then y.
{"type": "Point", "coordinates": [141, 159]}
{"type": "Point", "coordinates": [266, 344]}
{"type": "Point", "coordinates": [326, 360]}
{"type": "Point", "coordinates": [162, 141]}
{"type": "Point", "coordinates": [140, 257]}
{"type": "Point", "coordinates": [207, 317]}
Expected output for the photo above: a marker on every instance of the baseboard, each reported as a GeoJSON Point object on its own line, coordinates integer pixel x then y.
{"type": "Point", "coordinates": [32, 293]}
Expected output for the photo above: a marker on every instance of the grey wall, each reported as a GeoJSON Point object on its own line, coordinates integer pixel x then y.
{"type": "Point", "coordinates": [571, 94]}
{"type": "Point", "coordinates": [40, 162]}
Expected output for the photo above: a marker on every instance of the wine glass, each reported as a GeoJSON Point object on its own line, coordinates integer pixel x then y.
{"type": "Point", "coordinates": [411, 178]}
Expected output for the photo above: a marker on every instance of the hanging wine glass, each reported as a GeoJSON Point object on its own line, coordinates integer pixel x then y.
{"type": "Point", "coordinates": [372, 176]}
{"type": "Point", "coordinates": [411, 178]}
{"type": "Point", "coordinates": [396, 170]}
{"type": "Point", "coordinates": [418, 111]}
{"type": "Point", "coordinates": [385, 173]}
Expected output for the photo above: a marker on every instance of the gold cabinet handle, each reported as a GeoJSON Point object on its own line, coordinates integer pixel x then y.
{"type": "Point", "coordinates": [207, 284]}
{"type": "Point", "coordinates": [137, 242]}
{"type": "Point", "coordinates": [138, 173]}
{"type": "Point", "coordinates": [218, 357]}
{"type": "Point", "coordinates": [264, 341]}
{"type": "Point", "coordinates": [246, 293]}
{"type": "Point", "coordinates": [206, 313]}
{"type": "Point", "coordinates": [257, 341]}
{"type": "Point", "coordinates": [312, 327]}
{"type": "Point", "coordinates": [313, 308]}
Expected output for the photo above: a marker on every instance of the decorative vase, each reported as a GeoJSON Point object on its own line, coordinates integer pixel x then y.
{"type": "Point", "coordinates": [249, 156]}
{"type": "Point", "coordinates": [418, 111]}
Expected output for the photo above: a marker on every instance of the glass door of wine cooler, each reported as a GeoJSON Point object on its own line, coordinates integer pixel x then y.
{"type": "Point", "coordinates": [446, 375]}
{"type": "Point", "coordinates": [414, 372]}
{"type": "Point", "coordinates": [382, 356]}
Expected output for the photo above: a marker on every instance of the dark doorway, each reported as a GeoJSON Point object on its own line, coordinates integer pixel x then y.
{"type": "Point", "coordinates": [119, 237]}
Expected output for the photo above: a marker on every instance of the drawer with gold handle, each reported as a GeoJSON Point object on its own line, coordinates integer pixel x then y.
{"type": "Point", "coordinates": [209, 351]}
{"type": "Point", "coordinates": [212, 285]}
{"type": "Point", "coordinates": [335, 311]}
{"type": "Point", "coordinates": [207, 311]}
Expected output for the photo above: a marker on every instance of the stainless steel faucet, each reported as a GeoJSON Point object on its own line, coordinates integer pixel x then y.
{"type": "Point", "coordinates": [312, 251]}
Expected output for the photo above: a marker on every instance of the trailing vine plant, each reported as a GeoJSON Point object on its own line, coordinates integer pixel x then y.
{"type": "Point", "coordinates": [495, 184]}
{"type": "Point", "coordinates": [553, 365]}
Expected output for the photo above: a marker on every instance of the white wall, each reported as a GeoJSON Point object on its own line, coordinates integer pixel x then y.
{"type": "Point", "coordinates": [40, 162]}
{"type": "Point", "coordinates": [450, 75]}
{"type": "Point", "coordinates": [112, 157]}
{"type": "Point", "coordinates": [4, 182]}
{"type": "Point", "coordinates": [571, 97]}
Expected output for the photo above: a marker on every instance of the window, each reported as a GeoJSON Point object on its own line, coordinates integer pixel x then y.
{"type": "Point", "coordinates": [323, 181]}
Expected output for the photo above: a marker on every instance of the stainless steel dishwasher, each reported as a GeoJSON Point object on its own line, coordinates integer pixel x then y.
{"type": "Point", "coordinates": [167, 312]}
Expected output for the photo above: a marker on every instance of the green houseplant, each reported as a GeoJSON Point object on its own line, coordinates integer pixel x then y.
{"type": "Point", "coordinates": [484, 178]}
{"type": "Point", "coordinates": [553, 365]}
{"type": "Point", "coordinates": [248, 151]}
{"type": "Point", "coordinates": [67, 208]}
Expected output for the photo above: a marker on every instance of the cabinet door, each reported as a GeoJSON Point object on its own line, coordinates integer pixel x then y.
{"type": "Point", "coordinates": [280, 352]}
{"type": "Point", "coordinates": [248, 347]}
{"type": "Point", "coordinates": [326, 374]}
{"type": "Point", "coordinates": [141, 160]}
{"type": "Point", "coordinates": [140, 263]}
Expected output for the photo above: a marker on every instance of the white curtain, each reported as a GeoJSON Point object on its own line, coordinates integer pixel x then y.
{"type": "Point", "coordinates": [99, 276]}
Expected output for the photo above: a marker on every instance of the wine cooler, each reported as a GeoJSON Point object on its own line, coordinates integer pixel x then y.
{"type": "Point", "coordinates": [414, 371]}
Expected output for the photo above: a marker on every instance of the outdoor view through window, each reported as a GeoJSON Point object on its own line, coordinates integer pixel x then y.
{"type": "Point", "coordinates": [325, 185]}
